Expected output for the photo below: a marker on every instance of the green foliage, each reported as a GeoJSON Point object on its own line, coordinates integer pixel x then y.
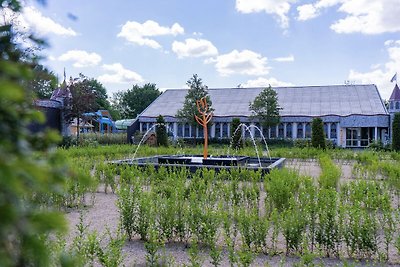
{"type": "Point", "coordinates": [194, 254]}
{"type": "Point", "coordinates": [132, 102]}
{"type": "Point", "coordinates": [43, 82]}
{"type": "Point", "coordinates": [237, 141]}
{"type": "Point", "coordinates": [281, 186]}
{"type": "Point", "coordinates": [197, 90]}
{"type": "Point", "coordinates": [89, 249]}
{"type": "Point", "coordinates": [161, 132]}
{"type": "Point", "coordinates": [396, 132]}
{"type": "Point", "coordinates": [330, 173]}
{"type": "Point", "coordinates": [152, 246]}
{"type": "Point", "coordinates": [95, 139]}
{"type": "Point", "coordinates": [317, 133]}
{"type": "Point", "coordinates": [327, 232]}
{"type": "Point", "coordinates": [211, 211]}
{"type": "Point", "coordinates": [293, 226]}
{"type": "Point", "coordinates": [265, 108]}
{"type": "Point", "coordinates": [25, 170]}
{"type": "Point", "coordinates": [245, 256]}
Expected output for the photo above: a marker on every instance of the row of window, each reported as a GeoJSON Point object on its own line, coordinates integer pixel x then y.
{"type": "Point", "coordinates": [222, 130]}
{"type": "Point", "coordinates": [396, 105]}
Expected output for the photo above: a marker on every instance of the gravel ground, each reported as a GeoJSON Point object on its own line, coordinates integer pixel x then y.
{"type": "Point", "coordinates": [104, 215]}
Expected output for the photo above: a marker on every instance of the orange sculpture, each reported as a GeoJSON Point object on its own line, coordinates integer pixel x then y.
{"type": "Point", "coordinates": [202, 107]}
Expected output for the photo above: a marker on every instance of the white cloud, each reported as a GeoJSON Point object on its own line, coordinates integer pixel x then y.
{"type": "Point", "coordinates": [310, 11]}
{"type": "Point", "coordinates": [194, 48]}
{"type": "Point", "coordinates": [31, 19]}
{"type": "Point", "coordinates": [381, 76]}
{"type": "Point", "coordinates": [289, 58]}
{"type": "Point", "coordinates": [363, 16]}
{"type": "Point", "coordinates": [264, 82]}
{"type": "Point", "coordinates": [81, 58]}
{"type": "Point", "coordinates": [278, 8]}
{"type": "Point", "coordinates": [42, 25]}
{"type": "Point", "coordinates": [138, 33]}
{"type": "Point", "coordinates": [307, 12]}
{"type": "Point", "coordinates": [244, 62]}
{"type": "Point", "coordinates": [119, 75]}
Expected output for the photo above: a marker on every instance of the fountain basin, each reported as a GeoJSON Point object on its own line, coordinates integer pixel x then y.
{"type": "Point", "coordinates": [194, 162]}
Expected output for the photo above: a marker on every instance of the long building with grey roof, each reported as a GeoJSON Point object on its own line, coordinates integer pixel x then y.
{"type": "Point", "coordinates": [353, 115]}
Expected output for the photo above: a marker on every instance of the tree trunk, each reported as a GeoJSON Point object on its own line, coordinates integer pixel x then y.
{"type": "Point", "coordinates": [77, 130]}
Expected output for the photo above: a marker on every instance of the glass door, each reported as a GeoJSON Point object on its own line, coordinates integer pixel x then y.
{"type": "Point", "coordinates": [352, 137]}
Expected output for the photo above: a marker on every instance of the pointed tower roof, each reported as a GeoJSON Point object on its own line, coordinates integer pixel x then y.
{"type": "Point", "coordinates": [62, 91]}
{"type": "Point", "coordinates": [395, 94]}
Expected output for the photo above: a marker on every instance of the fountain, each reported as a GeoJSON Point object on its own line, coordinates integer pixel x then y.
{"type": "Point", "coordinates": [194, 162]}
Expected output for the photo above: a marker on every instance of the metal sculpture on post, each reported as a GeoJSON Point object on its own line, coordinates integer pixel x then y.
{"type": "Point", "coordinates": [205, 118]}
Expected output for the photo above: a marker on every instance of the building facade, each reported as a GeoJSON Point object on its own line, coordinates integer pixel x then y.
{"type": "Point", "coordinates": [353, 115]}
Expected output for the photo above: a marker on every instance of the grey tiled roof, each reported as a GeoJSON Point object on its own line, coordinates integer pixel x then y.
{"type": "Point", "coordinates": [339, 100]}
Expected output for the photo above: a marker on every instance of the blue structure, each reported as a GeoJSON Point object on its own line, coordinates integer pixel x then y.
{"type": "Point", "coordinates": [102, 121]}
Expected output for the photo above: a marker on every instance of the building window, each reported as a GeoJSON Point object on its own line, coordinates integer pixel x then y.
{"type": "Point", "coordinates": [246, 130]}
{"type": "Point", "coordinates": [281, 130]}
{"type": "Point", "coordinates": [308, 130]}
{"type": "Point", "coordinates": [180, 131]}
{"type": "Point", "coordinates": [289, 130]}
{"type": "Point", "coordinates": [273, 132]}
{"type": "Point", "coordinates": [333, 131]}
{"type": "Point", "coordinates": [256, 131]}
{"type": "Point", "coordinates": [217, 130]}
{"type": "Point", "coordinates": [397, 105]}
{"type": "Point", "coordinates": [300, 130]}
{"type": "Point", "coordinates": [265, 132]}
{"type": "Point", "coordinates": [187, 130]}
{"type": "Point", "coordinates": [144, 126]}
{"type": "Point", "coordinates": [200, 132]}
{"type": "Point", "coordinates": [391, 105]}
{"type": "Point", "coordinates": [170, 127]}
{"type": "Point", "coordinates": [225, 130]}
{"type": "Point", "coordinates": [151, 126]}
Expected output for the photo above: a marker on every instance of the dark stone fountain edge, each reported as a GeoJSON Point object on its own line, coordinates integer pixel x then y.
{"type": "Point", "coordinates": [274, 163]}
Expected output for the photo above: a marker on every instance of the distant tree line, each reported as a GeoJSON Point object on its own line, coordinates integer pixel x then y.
{"type": "Point", "coordinates": [123, 105]}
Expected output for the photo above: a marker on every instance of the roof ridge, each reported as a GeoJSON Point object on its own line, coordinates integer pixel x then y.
{"type": "Point", "coordinates": [276, 87]}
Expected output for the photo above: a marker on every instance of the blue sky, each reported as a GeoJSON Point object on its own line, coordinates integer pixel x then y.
{"type": "Point", "coordinates": [226, 42]}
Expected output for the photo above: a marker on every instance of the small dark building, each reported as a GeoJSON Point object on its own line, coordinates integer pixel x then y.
{"type": "Point", "coordinates": [52, 111]}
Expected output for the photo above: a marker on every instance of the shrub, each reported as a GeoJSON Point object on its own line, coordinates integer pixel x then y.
{"type": "Point", "coordinates": [317, 137]}
{"type": "Point", "coordinates": [161, 132]}
{"type": "Point", "coordinates": [302, 143]}
{"type": "Point", "coordinates": [330, 173]}
{"type": "Point", "coordinates": [396, 132]}
{"type": "Point", "coordinates": [237, 141]}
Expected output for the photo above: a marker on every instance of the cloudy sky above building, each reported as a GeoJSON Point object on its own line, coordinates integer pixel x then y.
{"type": "Point", "coordinates": [227, 43]}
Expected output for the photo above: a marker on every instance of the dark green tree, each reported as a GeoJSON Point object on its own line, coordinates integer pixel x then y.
{"type": "Point", "coordinates": [237, 141]}
{"type": "Point", "coordinates": [161, 132]}
{"type": "Point", "coordinates": [396, 132]}
{"type": "Point", "coordinates": [43, 82]}
{"type": "Point", "coordinates": [197, 90]}
{"type": "Point", "coordinates": [317, 133]}
{"type": "Point", "coordinates": [100, 92]}
{"type": "Point", "coordinates": [133, 101]}
{"type": "Point", "coordinates": [83, 98]}
{"type": "Point", "coordinates": [265, 108]}
{"type": "Point", "coordinates": [25, 173]}
{"type": "Point", "coordinates": [102, 101]}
